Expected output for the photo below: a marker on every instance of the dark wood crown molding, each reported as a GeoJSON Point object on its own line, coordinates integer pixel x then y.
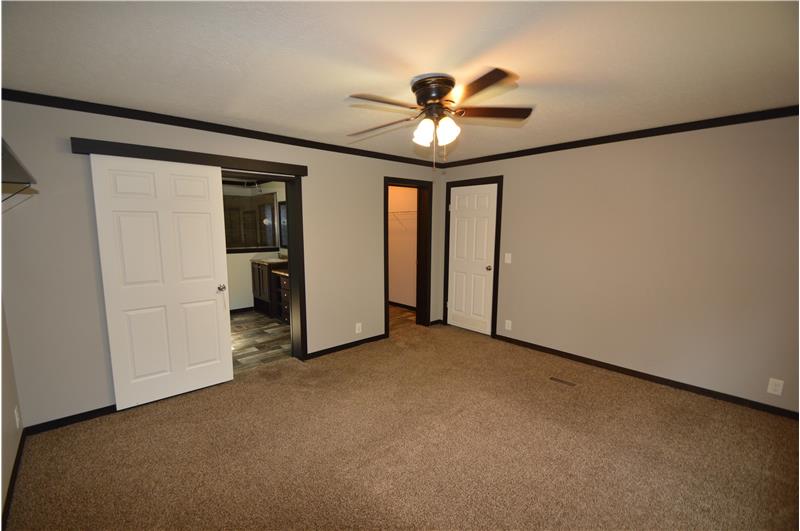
{"type": "Point", "coordinates": [769, 114]}
{"type": "Point", "coordinates": [166, 119]}
{"type": "Point", "coordinates": [134, 114]}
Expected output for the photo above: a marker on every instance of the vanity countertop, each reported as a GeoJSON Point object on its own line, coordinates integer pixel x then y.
{"type": "Point", "coordinates": [269, 261]}
{"type": "Point", "coordinates": [281, 272]}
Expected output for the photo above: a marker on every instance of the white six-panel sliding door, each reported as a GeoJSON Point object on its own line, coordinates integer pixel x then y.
{"type": "Point", "coordinates": [161, 234]}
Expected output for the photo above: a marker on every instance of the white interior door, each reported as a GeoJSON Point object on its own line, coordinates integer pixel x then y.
{"type": "Point", "coordinates": [473, 216]}
{"type": "Point", "coordinates": [161, 232]}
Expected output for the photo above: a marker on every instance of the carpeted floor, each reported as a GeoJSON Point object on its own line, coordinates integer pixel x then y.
{"type": "Point", "coordinates": [432, 428]}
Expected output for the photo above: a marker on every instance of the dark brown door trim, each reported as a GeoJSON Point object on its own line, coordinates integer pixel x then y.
{"type": "Point", "coordinates": [498, 180]}
{"type": "Point", "coordinates": [272, 171]}
{"type": "Point", "coordinates": [424, 216]}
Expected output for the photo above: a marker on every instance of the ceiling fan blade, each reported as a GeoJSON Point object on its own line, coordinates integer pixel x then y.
{"type": "Point", "coordinates": [488, 79]}
{"type": "Point", "coordinates": [514, 113]}
{"type": "Point", "coordinates": [381, 99]}
{"type": "Point", "coordinates": [384, 125]}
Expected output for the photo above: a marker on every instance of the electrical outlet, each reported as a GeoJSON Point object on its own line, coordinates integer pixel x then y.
{"type": "Point", "coordinates": [775, 386]}
{"type": "Point", "coordinates": [508, 324]}
{"type": "Point", "coordinates": [507, 258]}
{"type": "Point", "coordinates": [358, 328]}
{"type": "Point", "coordinates": [16, 415]}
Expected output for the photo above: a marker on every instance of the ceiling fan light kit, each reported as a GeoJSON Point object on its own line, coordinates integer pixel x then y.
{"type": "Point", "coordinates": [423, 134]}
{"type": "Point", "coordinates": [433, 92]}
{"type": "Point", "coordinates": [447, 130]}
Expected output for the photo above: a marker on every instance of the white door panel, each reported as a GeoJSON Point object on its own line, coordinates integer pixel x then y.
{"type": "Point", "coordinates": [473, 217]}
{"type": "Point", "coordinates": [161, 234]}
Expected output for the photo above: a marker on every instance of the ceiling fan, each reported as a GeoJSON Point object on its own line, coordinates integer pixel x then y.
{"type": "Point", "coordinates": [439, 106]}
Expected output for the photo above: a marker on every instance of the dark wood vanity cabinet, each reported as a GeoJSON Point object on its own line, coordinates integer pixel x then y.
{"type": "Point", "coordinates": [264, 288]}
{"type": "Point", "coordinates": [281, 294]}
{"type": "Point", "coordinates": [260, 273]}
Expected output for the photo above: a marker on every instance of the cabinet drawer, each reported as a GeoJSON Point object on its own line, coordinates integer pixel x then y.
{"type": "Point", "coordinates": [284, 282]}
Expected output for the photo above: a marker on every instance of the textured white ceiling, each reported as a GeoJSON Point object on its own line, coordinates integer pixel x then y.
{"type": "Point", "coordinates": [589, 69]}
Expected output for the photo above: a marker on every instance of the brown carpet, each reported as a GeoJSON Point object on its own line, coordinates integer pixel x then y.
{"type": "Point", "coordinates": [433, 428]}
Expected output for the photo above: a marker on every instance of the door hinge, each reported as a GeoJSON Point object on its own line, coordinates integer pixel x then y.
{"type": "Point", "coordinates": [450, 207]}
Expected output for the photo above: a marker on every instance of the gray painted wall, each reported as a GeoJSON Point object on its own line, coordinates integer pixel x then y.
{"type": "Point", "coordinates": [51, 271]}
{"type": "Point", "coordinates": [674, 255]}
{"type": "Point", "coordinates": [11, 433]}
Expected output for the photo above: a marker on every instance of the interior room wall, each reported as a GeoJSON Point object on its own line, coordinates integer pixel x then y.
{"type": "Point", "coordinates": [51, 269]}
{"type": "Point", "coordinates": [11, 432]}
{"type": "Point", "coordinates": [673, 255]}
{"type": "Point", "coordinates": [240, 281]}
{"type": "Point", "coordinates": [403, 245]}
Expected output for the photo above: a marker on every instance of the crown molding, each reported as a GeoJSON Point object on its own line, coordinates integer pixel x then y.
{"type": "Point", "coordinates": [769, 114]}
{"type": "Point", "coordinates": [134, 114]}
{"type": "Point", "coordinates": [166, 119]}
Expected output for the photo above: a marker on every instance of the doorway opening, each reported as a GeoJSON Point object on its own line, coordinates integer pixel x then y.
{"type": "Point", "coordinates": [257, 231]}
{"type": "Point", "coordinates": [407, 256]}
{"type": "Point", "coordinates": [175, 197]}
{"type": "Point", "coordinates": [256, 238]}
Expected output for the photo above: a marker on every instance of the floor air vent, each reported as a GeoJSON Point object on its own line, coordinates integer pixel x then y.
{"type": "Point", "coordinates": [565, 382]}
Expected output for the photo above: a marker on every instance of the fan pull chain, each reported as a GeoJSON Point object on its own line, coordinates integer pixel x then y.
{"type": "Point", "coordinates": [434, 148]}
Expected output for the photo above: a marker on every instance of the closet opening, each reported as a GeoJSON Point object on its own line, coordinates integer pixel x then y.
{"type": "Point", "coordinates": [407, 244]}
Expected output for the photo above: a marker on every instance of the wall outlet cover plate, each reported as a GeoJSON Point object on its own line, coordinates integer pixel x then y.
{"type": "Point", "coordinates": [775, 387]}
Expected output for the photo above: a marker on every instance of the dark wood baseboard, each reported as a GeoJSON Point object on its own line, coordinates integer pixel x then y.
{"type": "Point", "coordinates": [401, 305]}
{"type": "Point", "coordinates": [40, 428]}
{"type": "Point", "coordinates": [243, 310]}
{"type": "Point", "coordinates": [656, 379]}
{"type": "Point", "coordinates": [346, 346]}
{"type": "Point", "coordinates": [437, 322]}
{"type": "Point", "coordinates": [13, 480]}
{"type": "Point", "coordinates": [66, 421]}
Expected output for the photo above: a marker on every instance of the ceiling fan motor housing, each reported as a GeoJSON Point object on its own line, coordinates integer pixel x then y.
{"type": "Point", "coordinates": [432, 88]}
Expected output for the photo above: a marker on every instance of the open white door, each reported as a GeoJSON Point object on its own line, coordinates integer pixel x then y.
{"type": "Point", "coordinates": [161, 232]}
{"type": "Point", "coordinates": [473, 216]}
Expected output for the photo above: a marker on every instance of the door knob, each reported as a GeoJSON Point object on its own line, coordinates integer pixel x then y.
{"type": "Point", "coordinates": [488, 268]}
{"type": "Point", "coordinates": [222, 287]}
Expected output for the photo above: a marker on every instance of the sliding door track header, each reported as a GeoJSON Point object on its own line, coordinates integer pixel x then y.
{"type": "Point", "coordinates": [86, 146]}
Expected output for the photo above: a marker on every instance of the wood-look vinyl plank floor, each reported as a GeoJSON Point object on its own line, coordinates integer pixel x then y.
{"type": "Point", "coordinates": [257, 339]}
